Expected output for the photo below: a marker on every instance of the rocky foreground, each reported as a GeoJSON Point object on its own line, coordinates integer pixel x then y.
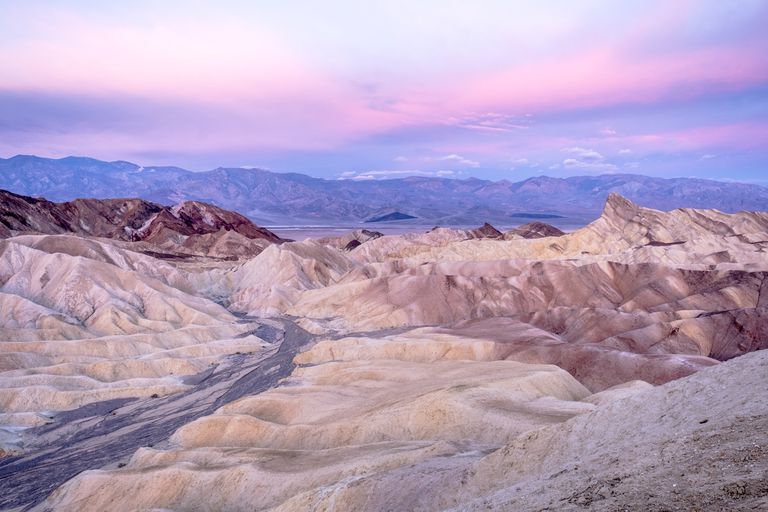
{"type": "Point", "coordinates": [618, 367]}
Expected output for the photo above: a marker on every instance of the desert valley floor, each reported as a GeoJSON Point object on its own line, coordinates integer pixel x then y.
{"type": "Point", "coordinates": [158, 358]}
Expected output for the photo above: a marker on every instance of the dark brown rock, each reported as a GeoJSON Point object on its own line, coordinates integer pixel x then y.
{"type": "Point", "coordinates": [487, 231]}
{"type": "Point", "coordinates": [132, 220]}
{"type": "Point", "coordinates": [536, 229]}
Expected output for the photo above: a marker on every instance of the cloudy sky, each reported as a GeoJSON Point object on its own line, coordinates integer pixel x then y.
{"type": "Point", "coordinates": [369, 90]}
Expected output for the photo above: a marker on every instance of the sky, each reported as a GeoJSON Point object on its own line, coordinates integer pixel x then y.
{"type": "Point", "coordinates": [380, 89]}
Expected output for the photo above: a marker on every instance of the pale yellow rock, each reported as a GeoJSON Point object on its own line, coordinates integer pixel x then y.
{"type": "Point", "coordinates": [330, 423]}
{"type": "Point", "coordinates": [82, 320]}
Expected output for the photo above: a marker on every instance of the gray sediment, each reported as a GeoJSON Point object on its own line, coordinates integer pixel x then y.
{"type": "Point", "coordinates": [104, 433]}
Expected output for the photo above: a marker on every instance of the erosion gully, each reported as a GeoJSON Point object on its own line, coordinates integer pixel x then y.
{"type": "Point", "coordinates": [104, 433]}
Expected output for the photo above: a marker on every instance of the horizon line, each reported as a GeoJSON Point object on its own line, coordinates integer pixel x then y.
{"type": "Point", "coordinates": [401, 176]}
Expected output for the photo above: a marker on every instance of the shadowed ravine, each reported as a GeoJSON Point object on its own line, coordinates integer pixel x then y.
{"type": "Point", "coordinates": [108, 432]}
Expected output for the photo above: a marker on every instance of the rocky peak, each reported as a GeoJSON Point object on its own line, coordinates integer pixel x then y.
{"type": "Point", "coordinates": [123, 219]}
{"type": "Point", "coordinates": [536, 229]}
{"type": "Point", "coordinates": [487, 231]}
{"type": "Point", "coordinates": [619, 207]}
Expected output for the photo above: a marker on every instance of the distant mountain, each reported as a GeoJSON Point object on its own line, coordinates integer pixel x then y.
{"type": "Point", "coordinates": [388, 217]}
{"type": "Point", "coordinates": [527, 215]}
{"type": "Point", "coordinates": [285, 198]}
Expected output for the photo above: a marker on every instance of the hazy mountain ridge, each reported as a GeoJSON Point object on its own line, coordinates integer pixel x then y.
{"type": "Point", "coordinates": [269, 197]}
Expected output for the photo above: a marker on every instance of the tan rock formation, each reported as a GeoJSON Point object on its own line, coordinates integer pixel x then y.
{"type": "Point", "coordinates": [83, 321]}
{"type": "Point", "coordinates": [467, 435]}
{"type": "Point", "coordinates": [457, 369]}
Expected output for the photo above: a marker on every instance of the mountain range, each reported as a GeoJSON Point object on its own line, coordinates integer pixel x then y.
{"type": "Point", "coordinates": [271, 198]}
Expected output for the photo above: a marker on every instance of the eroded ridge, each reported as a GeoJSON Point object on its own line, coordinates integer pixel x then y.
{"type": "Point", "coordinates": [453, 369]}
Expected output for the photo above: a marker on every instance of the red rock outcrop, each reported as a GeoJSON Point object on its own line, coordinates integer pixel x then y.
{"type": "Point", "coordinates": [190, 227]}
{"type": "Point", "coordinates": [534, 229]}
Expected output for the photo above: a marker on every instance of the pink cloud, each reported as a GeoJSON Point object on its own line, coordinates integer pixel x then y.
{"type": "Point", "coordinates": [606, 77]}
{"type": "Point", "coordinates": [193, 59]}
{"type": "Point", "coordinates": [248, 86]}
{"type": "Point", "coordinates": [748, 135]}
{"type": "Point", "coordinates": [250, 69]}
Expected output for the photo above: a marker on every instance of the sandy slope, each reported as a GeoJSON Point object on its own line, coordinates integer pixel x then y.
{"type": "Point", "coordinates": [85, 321]}
{"type": "Point", "coordinates": [430, 436]}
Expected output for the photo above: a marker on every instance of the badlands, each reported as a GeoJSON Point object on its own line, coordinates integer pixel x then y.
{"type": "Point", "coordinates": [156, 358]}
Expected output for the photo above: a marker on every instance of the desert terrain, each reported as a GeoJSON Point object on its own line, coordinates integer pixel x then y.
{"type": "Point", "coordinates": [183, 358]}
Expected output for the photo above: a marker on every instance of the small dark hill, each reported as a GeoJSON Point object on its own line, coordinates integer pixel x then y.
{"type": "Point", "coordinates": [536, 230]}
{"type": "Point", "coordinates": [390, 217]}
